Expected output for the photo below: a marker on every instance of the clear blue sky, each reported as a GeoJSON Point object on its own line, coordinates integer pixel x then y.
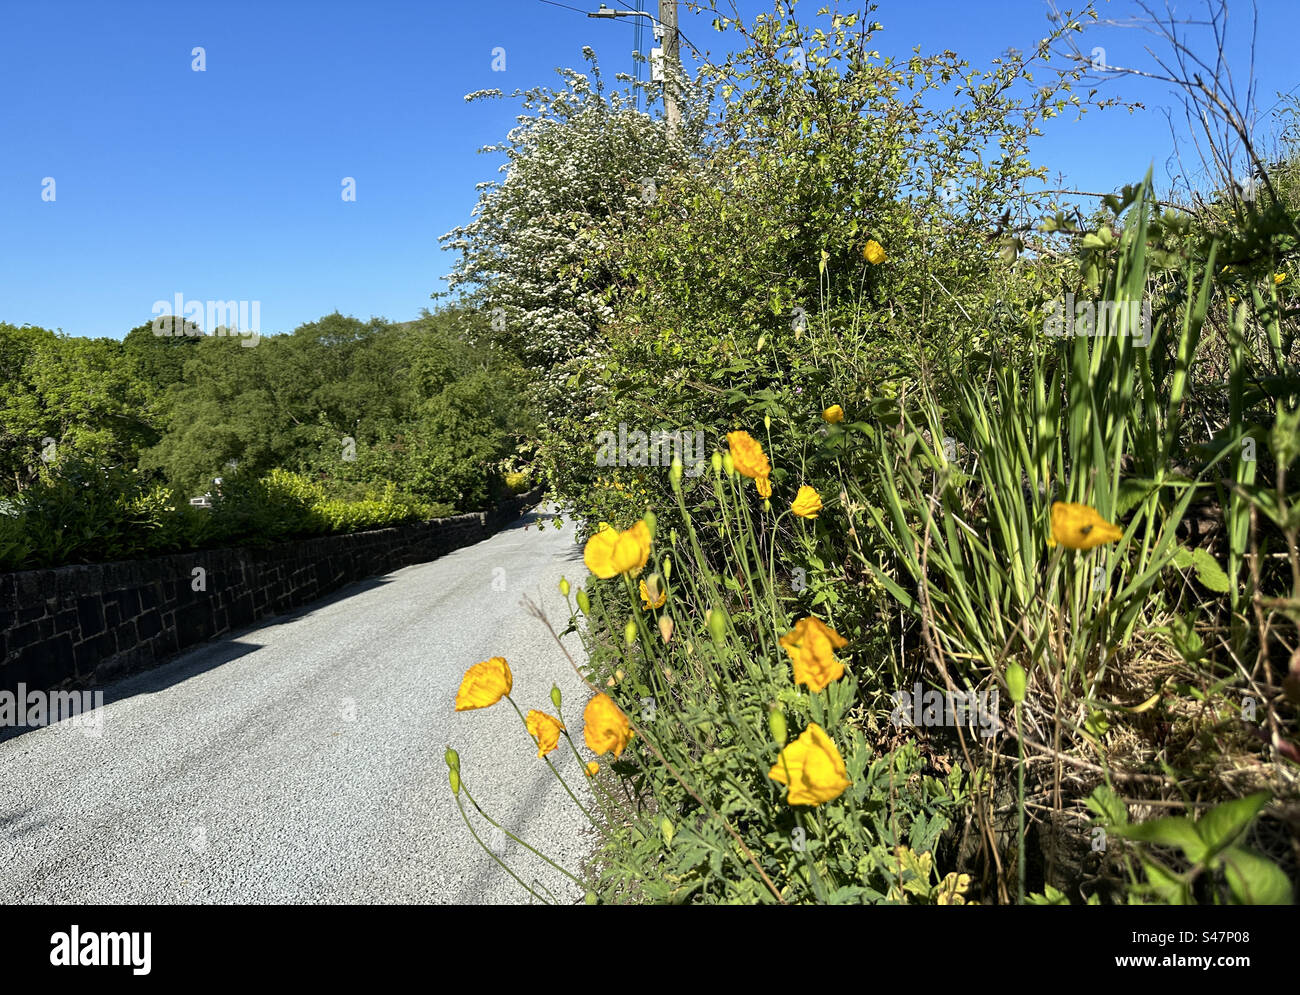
{"type": "Point", "coordinates": [225, 184]}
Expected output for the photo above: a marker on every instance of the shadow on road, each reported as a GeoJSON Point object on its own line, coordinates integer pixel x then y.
{"type": "Point", "coordinates": [207, 656]}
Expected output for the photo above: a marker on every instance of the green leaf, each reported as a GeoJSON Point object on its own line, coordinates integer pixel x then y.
{"type": "Point", "coordinates": [1169, 887]}
{"type": "Point", "coordinates": [1208, 571]}
{"type": "Point", "coordinates": [1221, 825]}
{"type": "Point", "coordinates": [1050, 896]}
{"type": "Point", "coordinates": [1175, 831]}
{"type": "Point", "coordinates": [1106, 805]}
{"type": "Point", "coordinates": [1254, 879]}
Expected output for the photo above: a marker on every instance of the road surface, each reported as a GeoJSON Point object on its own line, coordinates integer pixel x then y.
{"type": "Point", "coordinates": [301, 761]}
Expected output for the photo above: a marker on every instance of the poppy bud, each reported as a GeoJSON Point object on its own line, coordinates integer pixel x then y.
{"type": "Point", "coordinates": [564, 586]}
{"type": "Point", "coordinates": [649, 519]}
{"type": "Point", "coordinates": [665, 627]}
{"type": "Point", "coordinates": [629, 632]}
{"type": "Point", "coordinates": [583, 603]}
{"type": "Point", "coordinates": [776, 724]}
{"type": "Point", "coordinates": [717, 625]}
{"type": "Point", "coordinates": [453, 776]}
{"type": "Point", "coordinates": [452, 758]}
{"type": "Point", "coordinates": [675, 473]}
{"type": "Point", "coordinates": [555, 696]}
{"type": "Point", "coordinates": [1016, 682]}
{"type": "Point", "coordinates": [729, 465]}
{"type": "Point", "coordinates": [668, 568]}
{"type": "Point", "coordinates": [717, 462]}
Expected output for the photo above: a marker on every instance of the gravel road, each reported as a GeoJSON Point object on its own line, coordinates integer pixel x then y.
{"type": "Point", "coordinates": [302, 760]}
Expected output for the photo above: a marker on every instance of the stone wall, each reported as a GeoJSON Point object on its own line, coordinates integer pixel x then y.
{"type": "Point", "coordinates": [85, 624]}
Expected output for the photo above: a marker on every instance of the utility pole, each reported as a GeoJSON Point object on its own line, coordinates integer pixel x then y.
{"type": "Point", "coordinates": [672, 61]}
{"type": "Point", "coordinates": [669, 55]}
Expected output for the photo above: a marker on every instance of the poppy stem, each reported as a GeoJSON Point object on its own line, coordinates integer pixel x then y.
{"type": "Point", "coordinates": [488, 850]}
{"type": "Point", "coordinates": [582, 808]}
{"type": "Point", "coordinates": [526, 846]}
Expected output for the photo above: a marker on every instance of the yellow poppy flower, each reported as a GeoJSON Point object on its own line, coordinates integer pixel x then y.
{"type": "Point", "coordinates": [811, 768]}
{"type": "Point", "coordinates": [605, 727]}
{"type": "Point", "coordinates": [764, 485]}
{"type": "Point", "coordinates": [747, 455]}
{"type": "Point", "coordinates": [647, 602]}
{"type": "Point", "coordinates": [484, 684]}
{"type": "Point", "coordinates": [545, 730]}
{"type": "Point", "coordinates": [609, 552]}
{"type": "Point", "coordinates": [806, 503]}
{"type": "Point", "coordinates": [834, 414]}
{"type": "Point", "coordinates": [1078, 526]}
{"type": "Point", "coordinates": [874, 253]}
{"type": "Point", "coordinates": [811, 644]}
{"type": "Point", "coordinates": [1278, 278]}
{"type": "Point", "coordinates": [591, 768]}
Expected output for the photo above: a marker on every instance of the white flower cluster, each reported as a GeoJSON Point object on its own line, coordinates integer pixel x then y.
{"type": "Point", "coordinates": [534, 253]}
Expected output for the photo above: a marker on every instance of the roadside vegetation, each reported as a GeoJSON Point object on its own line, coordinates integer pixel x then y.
{"type": "Point", "coordinates": [985, 587]}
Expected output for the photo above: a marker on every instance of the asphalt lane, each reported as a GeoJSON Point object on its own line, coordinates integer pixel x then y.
{"type": "Point", "coordinates": [301, 761]}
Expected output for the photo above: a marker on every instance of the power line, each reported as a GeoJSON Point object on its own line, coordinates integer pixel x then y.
{"type": "Point", "coordinates": [576, 10]}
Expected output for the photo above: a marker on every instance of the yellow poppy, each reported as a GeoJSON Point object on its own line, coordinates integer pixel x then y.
{"type": "Point", "coordinates": [874, 253]}
{"type": "Point", "coordinates": [609, 552]}
{"type": "Point", "coordinates": [647, 602]}
{"type": "Point", "coordinates": [747, 455]}
{"type": "Point", "coordinates": [1078, 526]}
{"type": "Point", "coordinates": [811, 768]}
{"type": "Point", "coordinates": [545, 730]}
{"type": "Point", "coordinates": [1278, 278]}
{"type": "Point", "coordinates": [484, 684]}
{"type": "Point", "coordinates": [806, 503]}
{"type": "Point", "coordinates": [605, 727]}
{"type": "Point", "coordinates": [834, 414]}
{"type": "Point", "coordinates": [811, 645]}
{"type": "Point", "coordinates": [591, 768]}
{"type": "Point", "coordinates": [764, 485]}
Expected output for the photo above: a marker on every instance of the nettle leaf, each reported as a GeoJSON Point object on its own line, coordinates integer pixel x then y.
{"type": "Point", "coordinates": [1221, 825]}
{"type": "Point", "coordinates": [1166, 885]}
{"type": "Point", "coordinates": [1107, 807]}
{"type": "Point", "coordinates": [1254, 879]}
{"type": "Point", "coordinates": [1175, 831]}
{"type": "Point", "coordinates": [1132, 491]}
{"type": "Point", "coordinates": [1208, 571]}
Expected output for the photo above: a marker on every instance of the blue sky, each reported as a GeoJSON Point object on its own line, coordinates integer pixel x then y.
{"type": "Point", "coordinates": [225, 184]}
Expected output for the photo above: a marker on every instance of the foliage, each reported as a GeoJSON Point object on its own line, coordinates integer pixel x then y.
{"type": "Point", "coordinates": [77, 512]}
{"type": "Point", "coordinates": [103, 443]}
{"type": "Point", "coordinates": [743, 296]}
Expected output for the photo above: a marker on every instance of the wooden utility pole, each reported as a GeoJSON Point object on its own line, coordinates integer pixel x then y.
{"type": "Point", "coordinates": [669, 49]}
{"type": "Point", "coordinates": [672, 63]}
